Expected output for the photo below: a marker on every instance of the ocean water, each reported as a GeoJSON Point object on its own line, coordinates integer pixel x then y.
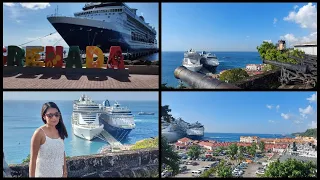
{"type": "Point", "coordinates": [235, 137]}
{"type": "Point", "coordinates": [22, 118]}
{"type": "Point", "coordinates": [228, 60]}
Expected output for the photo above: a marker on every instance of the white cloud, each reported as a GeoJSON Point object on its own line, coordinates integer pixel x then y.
{"type": "Point", "coordinates": [9, 4]}
{"type": "Point", "coordinates": [278, 107]}
{"type": "Point", "coordinates": [271, 121]}
{"type": "Point", "coordinates": [269, 106]}
{"type": "Point", "coordinates": [306, 17]}
{"type": "Point", "coordinates": [295, 7]}
{"type": "Point", "coordinates": [313, 98]}
{"type": "Point", "coordinates": [275, 21]}
{"type": "Point", "coordinates": [297, 122]}
{"type": "Point", "coordinates": [269, 41]}
{"type": "Point", "coordinates": [306, 111]}
{"type": "Point", "coordinates": [35, 6]}
{"type": "Point", "coordinates": [285, 116]}
{"type": "Point", "coordinates": [313, 124]}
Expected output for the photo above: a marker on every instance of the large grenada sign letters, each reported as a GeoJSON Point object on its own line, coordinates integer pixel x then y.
{"type": "Point", "coordinates": [54, 57]}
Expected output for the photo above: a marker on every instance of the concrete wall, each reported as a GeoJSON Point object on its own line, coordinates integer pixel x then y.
{"type": "Point", "coordinates": [312, 50]}
{"type": "Point", "coordinates": [141, 163]}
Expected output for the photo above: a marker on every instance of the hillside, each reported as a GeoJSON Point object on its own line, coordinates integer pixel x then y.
{"type": "Point", "coordinates": [309, 133]}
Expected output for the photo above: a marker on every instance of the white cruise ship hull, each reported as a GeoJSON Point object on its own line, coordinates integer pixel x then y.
{"type": "Point", "coordinates": [83, 32]}
{"type": "Point", "coordinates": [194, 68]}
{"type": "Point", "coordinates": [86, 133]}
{"type": "Point", "coordinates": [195, 134]}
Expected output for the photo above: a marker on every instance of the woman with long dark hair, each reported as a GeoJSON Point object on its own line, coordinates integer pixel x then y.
{"type": "Point", "coordinates": [47, 155]}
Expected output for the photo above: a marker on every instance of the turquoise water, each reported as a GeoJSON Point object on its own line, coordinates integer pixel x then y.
{"type": "Point", "coordinates": [228, 60]}
{"type": "Point", "coordinates": [22, 118]}
{"type": "Point", "coordinates": [235, 137]}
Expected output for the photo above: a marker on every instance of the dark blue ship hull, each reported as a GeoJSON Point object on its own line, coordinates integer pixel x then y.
{"type": "Point", "coordinates": [119, 133]}
{"type": "Point", "coordinates": [83, 36]}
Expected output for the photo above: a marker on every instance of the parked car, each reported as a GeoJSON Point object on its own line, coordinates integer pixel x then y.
{"type": "Point", "coordinates": [195, 163]}
{"type": "Point", "coordinates": [183, 168]}
{"type": "Point", "coordinates": [196, 173]}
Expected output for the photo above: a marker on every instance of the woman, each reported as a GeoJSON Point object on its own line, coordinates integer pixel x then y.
{"type": "Point", "coordinates": [47, 156]}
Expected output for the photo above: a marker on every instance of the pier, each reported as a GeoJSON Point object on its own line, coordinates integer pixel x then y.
{"type": "Point", "coordinates": [115, 144]}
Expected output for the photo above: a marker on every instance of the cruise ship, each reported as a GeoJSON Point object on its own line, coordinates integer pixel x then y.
{"type": "Point", "coordinates": [117, 120]}
{"type": "Point", "coordinates": [85, 118]}
{"type": "Point", "coordinates": [104, 25]}
{"type": "Point", "coordinates": [209, 61]}
{"type": "Point", "coordinates": [191, 60]}
{"type": "Point", "coordinates": [195, 131]}
{"type": "Point", "coordinates": [175, 130]}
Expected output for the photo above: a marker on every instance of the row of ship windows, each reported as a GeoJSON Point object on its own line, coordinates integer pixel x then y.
{"type": "Point", "coordinates": [101, 11]}
{"type": "Point", "coordinates": [137, 37]}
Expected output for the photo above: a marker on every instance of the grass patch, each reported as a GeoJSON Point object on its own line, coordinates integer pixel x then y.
{"type": "Point", "coordinates": [146, 143]}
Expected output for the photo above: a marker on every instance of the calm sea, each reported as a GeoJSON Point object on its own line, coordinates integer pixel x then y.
{"type": "Point", "coordinates": [228, 60]}
{"type": "Point", "coordinates": [22, 118]}
{"type": "Point", "coordinates": [232, 137]}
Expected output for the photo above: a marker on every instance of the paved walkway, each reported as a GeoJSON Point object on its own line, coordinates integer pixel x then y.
{"type": "Point", "coordinates": [134, 81]}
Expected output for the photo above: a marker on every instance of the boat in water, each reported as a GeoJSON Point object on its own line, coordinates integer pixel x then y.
{"type": "Point", "coordinates": [191, 60]}
{"type": "Point", "coordinates": [209, 61]}
{"type": "Point", "coordinates": [85, 118]}
{"type": "Point", "coordinates": [117, 120]}
{"type": "Point", "coordinates": [106, 24]}
{"type": "Point", "coordinates": [145, 113]}
{"type": "Point", "coordinates": [174, 130]}
{"type": "Point", "coordinates": [195, 131]}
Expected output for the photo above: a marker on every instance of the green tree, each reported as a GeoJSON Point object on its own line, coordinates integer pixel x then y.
{"type": "Point", "coordinates": [233, 75]}
{"type": "Point", "coordinates": [268, 51]}
{"type": "Point", "coordinates": [194, 151]}
{"type": "Point", "coordinates": [221, 170]}
{"type": "Point", "coordinates": [291, 168]}
{"type": "Point", "coordinates": [27, 159]}
{"type": "Point", "coordinates": [233, 149]}
{"type": "Point", "coordinates": [169, 157]}
{"type": "Point", "coordinates": [241, 150]}
{"type": "Point", "coordinates": [262, 146]}
{"type": "Point", "coordinates": [251, 150]}
{"type": "Point", "coordinates": [165, 113]}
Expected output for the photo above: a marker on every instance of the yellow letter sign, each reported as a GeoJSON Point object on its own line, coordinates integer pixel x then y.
{"type": "Point", "coordinates": [90, 63]}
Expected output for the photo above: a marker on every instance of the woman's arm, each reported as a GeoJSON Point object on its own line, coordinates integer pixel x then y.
{"type": "Point", "coordinates": [65, 170]}
{"type": "Point", "coordinates": [35, 146]}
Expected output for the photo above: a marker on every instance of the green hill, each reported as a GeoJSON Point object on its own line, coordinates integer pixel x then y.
{"type": "Point", "coordinates": [308, 133]}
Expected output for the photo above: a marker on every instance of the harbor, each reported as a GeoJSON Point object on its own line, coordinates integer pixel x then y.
{"type": "Point", "coordinates": [16, 150]}
{"type": "Point", "coordinates": [94, 28]}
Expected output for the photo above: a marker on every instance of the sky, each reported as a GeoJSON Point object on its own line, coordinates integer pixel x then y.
{"type": "Point", "coordinates": [67, 95]}
{"type": "Point", "coordinates": [246, 112]}
{"type": "Point", "coordinates": [235, 26]}
{"type": "Point", "coordinates": [24, 22]}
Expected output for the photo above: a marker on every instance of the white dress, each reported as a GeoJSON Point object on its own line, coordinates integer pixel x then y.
{"type": "Point", "coordinates": [50, 158]}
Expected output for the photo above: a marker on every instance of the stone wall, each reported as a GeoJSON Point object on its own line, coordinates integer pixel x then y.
{"type": "Point", "coordinates": [268, 80]}
{"type": "Point", "coordinates": [140, 163]}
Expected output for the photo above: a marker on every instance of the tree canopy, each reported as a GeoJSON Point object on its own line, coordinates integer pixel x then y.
{"type": "Point", "coordinates": [307, 133]}
{"type": "Point", "coordinates": [268, 51]}
{"type": "Point", "coordinates": [291, 168]}
{"type": "Point", "coordinates": [233, 75]}
{"type": "Point", "coordinates": [194, 151]}
{"type": "Point", "coordinates": [169, 157]}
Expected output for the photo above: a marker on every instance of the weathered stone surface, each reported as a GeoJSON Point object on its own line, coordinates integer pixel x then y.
{"type": "Point", "coordinates": [140, 163]}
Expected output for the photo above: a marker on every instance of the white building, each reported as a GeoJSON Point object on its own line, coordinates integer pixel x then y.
{"type": "Point", "coordinates": [308, 48]}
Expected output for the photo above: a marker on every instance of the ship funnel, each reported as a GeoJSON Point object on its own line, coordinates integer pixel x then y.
{"type": "Point", "coordinates": [106, 103]}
